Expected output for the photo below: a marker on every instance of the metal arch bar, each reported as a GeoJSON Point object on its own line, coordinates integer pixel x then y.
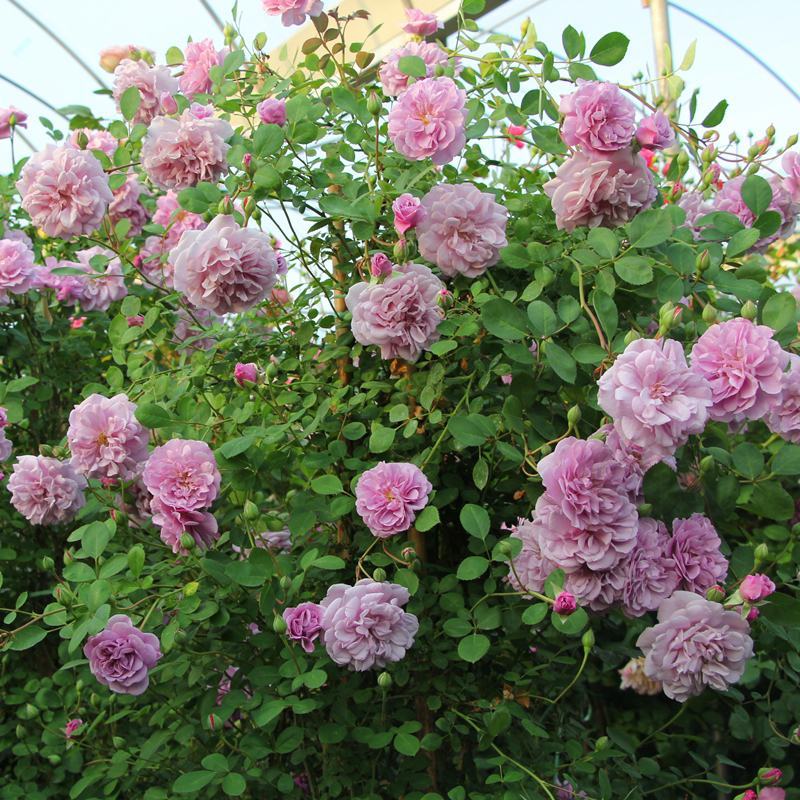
{"type": "Point", "coordinates": [213, 14]}
{"type": "Point", "coordinates": [33, 95]}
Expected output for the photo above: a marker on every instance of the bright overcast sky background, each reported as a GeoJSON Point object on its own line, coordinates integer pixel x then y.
{"type": "Point", "coordinates": [723, 71]}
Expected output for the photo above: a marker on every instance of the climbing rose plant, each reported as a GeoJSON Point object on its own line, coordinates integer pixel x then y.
{"type": "Point", "coordinates": [426, 429]}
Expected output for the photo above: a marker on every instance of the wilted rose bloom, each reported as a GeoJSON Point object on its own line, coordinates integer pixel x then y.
{"type": "Point", "coordinates": [428, 119]}
{"type": "Point", "coordinates": [393, 80]}
{"type": "Point", "coordinates": [655, 400]}
{"type": "Point", "coordinates": [651, 573]}
{"type": "Point", "coordinates": [111, 57]}
{"type": "Point", "coordinates": [179, 153]}
{"type": "Point", "coordinates": [182, 474]}
{"type": "Point", "coordinates": [95, 140]}
{"type": "Point", "coordinates": [772, 793]}
{"type": "Point", "coordinates": [174, 522]}
{"type": "Point", "coordinates": [608, 190]}
{"type": "Point", "coordinates": [655, 132]}
{"type": "Point", "coordinates": [65, 191]}
{"type": "Point", "coordinates": [755, 588]}
{"type": "Point", "coordinates": [292, 12]}
{"type": "Point", "coordinates": [791, 166]}
{"type": "Point", "coordinates": [420, 23]}
{"type": "Point", "coordinates": [245, 373]}
{"type": "Point", "coordinates": [364, 626]}
{"type": "Point", "coordinates": [6, 116]}
{"type": "Point", "coordinates": [272, 111]}
{"type": "Point", "coordinates": [105, 438]}
{"type": "Point", "coordinates": [696, 643]}
{"type": "Point", "coordinates": [71, 728]}
{"type": "Point", "coordinates": [389, 495]}
{"type": "Point", "coordinates": [783, 415]}
{"type": "Point", "coordinates": [633, 676]}
{"type": "Point", "coordinates": [101, 288]}
{"type": "Point", "coordinates": [380, 266]}
{"type": "Point", "coordinates": [303, 624]}
{"type": "Point", "coordinates": [598, 116]}
{"type": "Point", "coordinates": [529, 569]}
{"type": "Point", "coordinates": [744, 366]}
{"type": "Point", "coordinates": [224, 268]}
{"type": "Point", "coordinates": [121, 656]}
{"type": "Point", "coordinates": [46, 491]}
{"type": "Point", "coordinates": [695, 548]}
{"type": "Point", "coordinates": [400, 315]}
{"type": "Point", "coordinates": [200, 57]}
{"type": "Point", "coordinates": [16, 269]}
{"type": "Point", "coordinates": [152, 83]}
{"type": "Point", "coordinates": [127, 205]}
{"type": "Point", "coordinates": [408, 212]}
{"type": "Point", "coordinates": [694, 206]}
{"type": "Point", "coordinates": [565, 603]}
{"type": "Point", "coordinates": [463, 229]}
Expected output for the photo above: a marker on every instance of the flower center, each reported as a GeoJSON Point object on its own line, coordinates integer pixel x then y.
{"type": "Point", "coordinates": [102, 439]}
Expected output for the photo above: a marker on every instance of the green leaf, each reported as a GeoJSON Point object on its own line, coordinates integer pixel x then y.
{"type": "Point", "coordinates": [473, 648]}
{"type": "Point", "coordinates": [27, 638]}
{"type": "Point", "coordinates": [129, 102]}
{"type": "Point", "coordinates": [235, 447]}
{"type": "Point", "coordinates": [216, 762]}
{"type": "Point", "coordinates": [604, 242]}
{"type": "Point", "coordinates": [650, 228]}
{"type": "Point", "coordinates": [413, 66]}
{"type": "Point", "coordinates": [560, 361]}
{"type": "Point", "coordinates": [471, 430]}
{"type": "Point", "coordinates": [233, 61]}
{"type": "Point", "coordinates": [233, 784]}
{"type": "Point", "coordinates": [571, 625]}
{"type": "Point", "coordinates": [152, 415]}
{"type": "Point", "coordinates": [747, 459]}
{"type": "Point", "coordinates": [381, 438]}
{"type": "Point", "coordinates": [573, 42]}
{"type": "Point", "coordinates": [771, 500]}
{"type": "Point", "coordinates": [95, 538]}
{"type": "Point", "coordinates": [635, 270]}
{"type": "Point", "coordinates": [354, 430]}
{"type": "Point", "coordinates": [610, 49]}
{"type": "Point", "coordinates": [535, 614]}
{"type": "Point", "coordinates": [427, 519]}
{"type": "Point", "coordinates": [191, 782]}
{"type": "Point", "coordinates": [327, 484]}
{"type": "Point", "coordinates": [472, 567]}
{"type": "Point", "coordinates": [267, 140]}
{"type": "Point", "coordinates": [588, 353]}
{"type": "Point", "coordinates": [475, 520]}
{"type": "Point", "coordinates": [542, 318]}
{"type": "Point", "coordinates": [504, 320]}
{"type": "Point", "coordinates": [406, 743]}
{"type": "Point", "coordinates": [328, 562]}
{"type": "Point", "coordinates": [716, 115]}
{"type": "Point", "coordinates": [787, 460]}
{"type": "Point", "coordinates": [757, 194]}
{"type": "Point", "coordinates": [779, 311]}
{"type": "Point", "coordinates": [174, 57]}
{"type": "Point", "coordinates": [742, 241]}
{"type": "Point", "coordinates": [688, 57]}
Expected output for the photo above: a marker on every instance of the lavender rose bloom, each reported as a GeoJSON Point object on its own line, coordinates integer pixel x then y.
{"type": "Point", "coordinates": [696, 643]}
{"type": "Point", "coordinates": [121, 656]}
{"type": "Point", "coordinates": [791, 166]}
{"type": "Point", "coordinates": [153, 83]}
{"type": "Point", "coordinates": [695, 206]}
{"type": "Point", "coordinates": [651, 574]}
{"type": "Point", "coordinates": [98, 290]}
{"type": "Point", "coordinates": [744, 366]}
{"type": "Point", "coordinates": [46, 491]}
{"type": "Point", "coordinates": [394, 81]}
{"type": "Point", "coordinates": [463, 229]}
{"type": "Point", "coordinates": [783, 415]}
{"type": "Point", "coordinates": [598, 589]}
{"type": "Point", "coordinates": [303, 624]}
{"type": "Point", "coordinates": [428, 121]}
{"type": "Point", "coordinates": [174, 522]}
{"type": "Point", "coordinates": [388, 497]}
{"type": "Point", "coordinates": [364, 626]}
{"type": "Point", "coordinates": [695, 548]}
{"type": "Point", "coordinates": [200, 57]}
{"type": "Point", "coordinates": [6, 446]}
{"type": "Point", "coordinates": [182, 474]}
{"type": "Point", "coordinates": [272, 111]}
{"type": "Point", "coordinates": [127, 204]}
{"type": "Point", "coordinates": [95, 140]}
{"type": "Point", "coordinates": [400, 315]}
{"type": "Point", "coordinates": [655, 400]}
{"type": "Point", "coordinates": [655, 132]}
{"type": "Point", "coordinates": [598, 116]}
{"type": "Point", "coordinates": [607, 190]}
{"type": "Point", "coordinates": [65, 191]}
{"type": "Point", "coordinates": [16, 269]}
{"type": "Point", "coordinates": [105, 438]}
{"type": "Point", "coordinates": [529, 569]}
{"type": "Point", "coordinates": [225, 268]}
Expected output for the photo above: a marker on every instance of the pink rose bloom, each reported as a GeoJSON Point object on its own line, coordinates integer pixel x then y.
{"type": "Point", "coordinates": [3, 417]}
{"type": "Point", "coordinates": [783, 416]}
{"type": "Point", "coordinates": [65, 191]}
{"type": "Point", "coordinates": [179, 153]}
{"type": "Point", "coordinates": [364, 626]}
{"type": "Point", "coordinates": [224, 268]}
{"type": "Point", "coordinates": [121, 656]}
{"type": "Point", "coordinates": [16, 269]}
{"type": "Point", "coordinates": [744, 367]}
{"type": "Point", "coordinates": [175, 220]}
{"type": "Point", "coordinates": [6, 127]}
{"type": "Point", "coordinates": [695, 549]}
{"type": "Point", "coordinates": [421, 24]}
{"type": "Point", "coordinates": [95, 140]}
{"type": "Point", "coordinates": [696, 644]}
{"type": "Point", "coordinates": [635, 460]}
{"type": "Point", "coordinates": [200, 57]}
{"type": "Point", "coordinates": [655, 400]}
{"type": "Point", "coordinates": [105, 438]}
{"type": "Point", "coordinates": [304, 624]}
{"type": "Point", "coordinates": [565, 603]}
{"type": "Point", "coordinates": [201, 111]}
{"type": "Point", "coordinates": [245, 373]}
{"type": "Point", "coordinates": [68, 288]}
{"type": "Point", "coordinates": [772, 793]}
{"type": "Point", "coordinates": [46, 491]}
{"type": "Point", "coordinates": [655, 132]}
{"type": "Point", "coordinates": [400, 315]}
{"type": "Point", "coordinates": [694, 206]}
{"type": "Point", "coordinates": [507, 379]}
{"type": "Point", "coordinates": [182, 474]}
{"type": "Point", "coordinates": [529, 569]}
{"type": "Point", "coordinates": [791, 166]}
{"type": "Point", "coordinates": [71, 728]}
{"type": "Point", "coordinates": [174, 522]}
{"type": "Point", "coordinates": [101, 289]}
{"type": "Point", "coordinates": [597, 589]}
{"type": "Point", "coordinates": [755, 588]}
{"type": "Point", "coordinates": [597, 116]}
{"type": "Point", "coordinates": [127, 205]}
{"type": "Point", "coordinates": [515, 131]}
{"type": "Point", "coordinates": [608, 190]}
{"type": "Point", "coordinates": [19, 236]}
{"type": "Point", "coordinates": [380, 266]}
{"type": "Point", "coordinates": [389, 495]}
{"type": "Point", "coordinates": [154, 84]}
{"type": "Point", "coordinates": [6, 446]}
{"type": "Point", "coordinates": [111, 57]}
{"type": "Point", "coordinates": [408, 213]}
{"type": "Point", "coordinates": [428, 119]}
{"type": "Point", "coordinates": [651, 574]}
{"type": "Point", "coordinates": [77, 322]}
{"type": "Point", "coordinates": [272, 111]}
{"type": "Point", "coordinates": [292, 12]}
{"type": "Point", "coordinates": [394, 81]}
{"type": "Point", "coordinates": [463, 229]}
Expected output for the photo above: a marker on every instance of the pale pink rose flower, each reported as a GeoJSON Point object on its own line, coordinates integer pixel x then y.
{"type": "Point", "coordinates": [200, 57]}
{"type": "Point", "coordinates": [152, 83]}
{"type": "Point", "coordinates": [420, 23]}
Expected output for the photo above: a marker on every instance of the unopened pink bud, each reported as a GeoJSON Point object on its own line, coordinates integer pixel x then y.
{"type": "Point", "coordinates": [756, 587]}
{"type": "Point", "coordinates": [136, 321]}
{"type": "Point", "coordinates": [565, 604]}
{"type": "Point", "coordinates": [380, 266]}
{"type": "Point", "coordinates": [245, 373]}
